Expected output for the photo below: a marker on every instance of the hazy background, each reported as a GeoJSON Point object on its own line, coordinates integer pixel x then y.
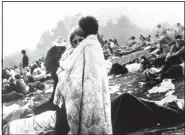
{"type": "Point", "coordinates": [34, 25]}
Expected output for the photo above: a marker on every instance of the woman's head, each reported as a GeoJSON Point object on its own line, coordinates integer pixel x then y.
{"type": "Point", "coordinates": [89, 25]}
{"type": "Point", "coordinates": [76, 36]}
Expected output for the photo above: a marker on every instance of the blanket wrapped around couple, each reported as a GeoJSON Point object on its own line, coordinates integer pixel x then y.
{"type": "Point", "coordinates": [83, 84]}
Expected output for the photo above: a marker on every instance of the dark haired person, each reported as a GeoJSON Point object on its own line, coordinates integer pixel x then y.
{"type": "Point", "coordinates": [25, 59]}
{"type": "Point", "coordinates": [82, 88]}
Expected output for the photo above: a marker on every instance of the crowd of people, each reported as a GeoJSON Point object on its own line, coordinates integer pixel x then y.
{"type": "Point", "coordinates": [81, 90]}
{"type": "Point", "coordinates": [18, 81]}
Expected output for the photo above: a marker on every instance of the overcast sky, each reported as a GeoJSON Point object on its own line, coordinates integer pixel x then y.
{"type": "Point", "coordinates": [24, 22]}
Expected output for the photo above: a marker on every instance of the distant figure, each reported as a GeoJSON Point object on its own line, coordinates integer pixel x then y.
{"type": "Point", "coordinates": [116, 42]}
{"type": "Point", "coordinates": [133, 41]}
{"type": "Point", "coordinates": [25, 59]}
{"type": "Point", "coordinates": [148, 39]}
{"type": "Point", "coordinates": [179, 30]}
{"type": "Point", "coordinates": [159, 30]}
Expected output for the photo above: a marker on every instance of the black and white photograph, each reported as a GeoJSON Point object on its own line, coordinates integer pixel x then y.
{"type": "Point", "coordinates": [93, 68]}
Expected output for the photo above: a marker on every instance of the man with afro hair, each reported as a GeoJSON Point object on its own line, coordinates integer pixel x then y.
{"type": "Point", "coordinates": [89, 25]}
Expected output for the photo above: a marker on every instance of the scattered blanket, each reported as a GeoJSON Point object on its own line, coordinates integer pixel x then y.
{"type": "Point", "coordinates": [165, 86]}
{"type": "Point", "coordinates": [133, 67]}
{"type": "Point", "coordinates": [130, 114]}
{"type": "Point", "coordinates": [33, 125]}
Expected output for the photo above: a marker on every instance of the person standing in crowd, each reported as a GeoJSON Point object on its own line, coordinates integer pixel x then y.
{"type": "Point", "coordinates": [52, 60]}
{"type": "Point", "coordinates": [83, 88]}
{"type": "Point", "coordinates": [25, 59]}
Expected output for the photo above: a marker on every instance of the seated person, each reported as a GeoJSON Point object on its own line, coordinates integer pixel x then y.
{"type": "Point", "coordinates": [165, 38]}
{"type": "Point", "coordinates": [179, 30]}
{"type": "Point", "coordinates": [5, 74]}
{"type": "Point", "coordinates": [37, 70]}
{"type": "Point", "coordinates": [177, 50]}
{"type": "Point", "coordinates": [16, 70]}
{"type": "Point", "coordinates": [148, 39]}
{"type": "Point", "coordinates": [132, 41]}
{"type": "Point", "coordinates": [142, 42]}
{"type": "Point", "coordinates": [38, 74]}
{"type": "Point", "coordinates": [21, 87]}
{"type": "Point", "coordinates": [159, 30]}
{"type": "Point", "coordinates": [106, 52]}
{"type": "Point", "coordinates": [11, 86]}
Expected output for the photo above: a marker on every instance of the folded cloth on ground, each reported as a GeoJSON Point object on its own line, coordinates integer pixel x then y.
{"type": "Point", "coordinates": [133, 67]}
{"type": "Point", "coordinates": [19, 113]}
{"type": "Point", "coordinates": [33, 125]}
{"type": "Point", "coordinates": [166, 85]}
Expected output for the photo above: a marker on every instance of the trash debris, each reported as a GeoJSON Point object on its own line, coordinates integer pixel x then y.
{"type": "Point", "coordinates": [114, 88]}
